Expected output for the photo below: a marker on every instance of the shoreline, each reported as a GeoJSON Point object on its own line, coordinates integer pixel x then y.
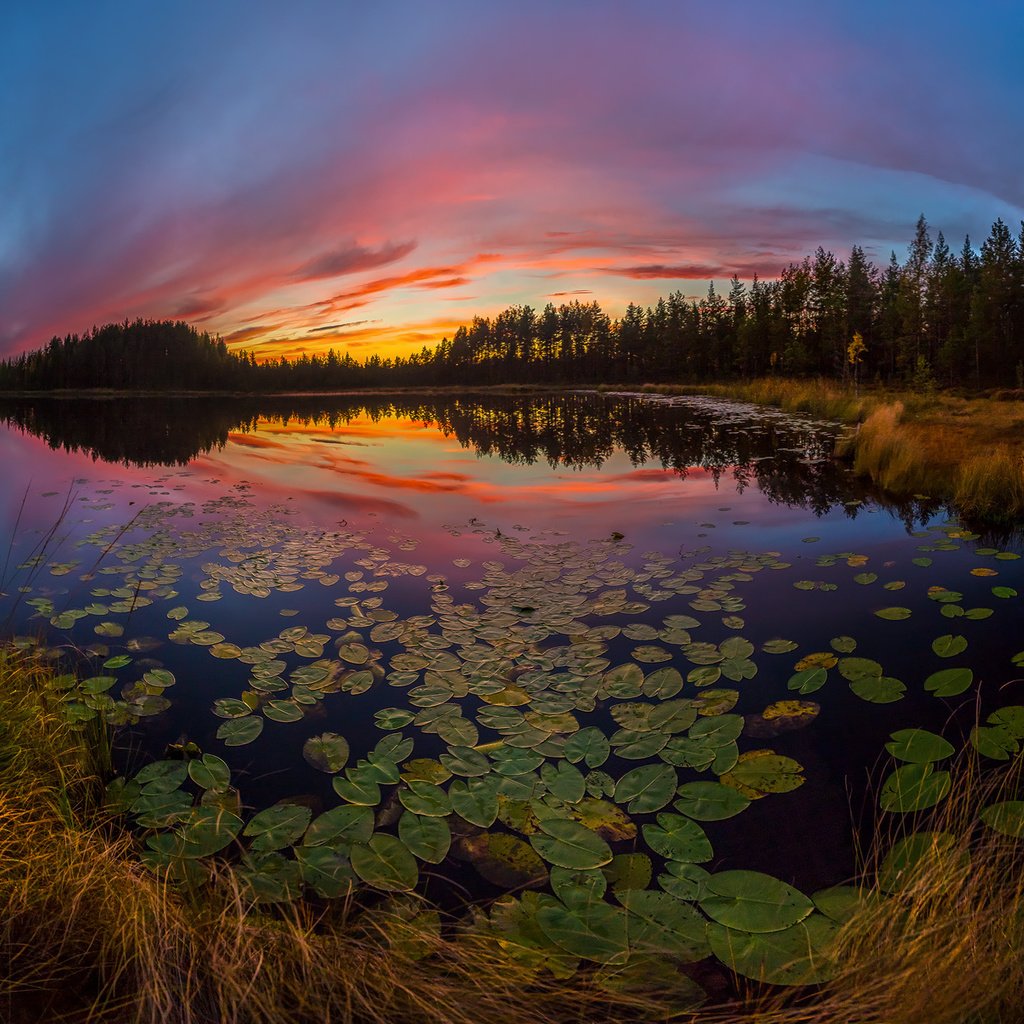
{"type": "Point", "coordinates": [965, 448]}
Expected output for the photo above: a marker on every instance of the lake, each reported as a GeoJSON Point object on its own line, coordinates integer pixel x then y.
{"type": "Point", "coordinates": [605, 648]}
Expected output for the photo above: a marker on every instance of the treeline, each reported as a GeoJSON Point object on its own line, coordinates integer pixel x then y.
{"type": "Point", "coordinates": [939, 317]}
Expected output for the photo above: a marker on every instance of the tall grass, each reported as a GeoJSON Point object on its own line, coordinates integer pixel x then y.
{"type": "Point", "coordinates": [87, 934]}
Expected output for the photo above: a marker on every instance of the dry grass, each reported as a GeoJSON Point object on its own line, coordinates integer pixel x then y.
{"type": "Point", "coordinates": [88, 935]}
{"type": "Point", "coordinates": [948, 946]}
{"type": "Point", "coordinates": [967, 450]}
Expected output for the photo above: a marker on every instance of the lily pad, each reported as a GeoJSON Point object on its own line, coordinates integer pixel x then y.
{"type": "Point", "coordinates": [919, 746]}
{"type": "Point", "coordinates": [327, 752]}
{"type": "Point", "coordinates": [570, 845]}
{"type": "Point", "coordinates": [237, 732]}
{"type": "Point", "coordinates": [427, 838]}
{"type": "Point", "coordinates": [384, 863]}
{"type": "Point", "coordinates": [949, 646]}
{"type": "Point", "coordinates": [914, 787]}
{"type": "Point", "coordinates": [710, 801]}
{"type": "Point", "coordinates": [753, 902]}
{"type": "Point", "coordinates": [647, 788]}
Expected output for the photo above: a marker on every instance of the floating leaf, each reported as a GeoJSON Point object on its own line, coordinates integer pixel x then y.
{"type": "Point", "coordinates": [710, 801]}
{"type": "Point", "coordinates": [1006, 817]}
{"type": "Point", "coordinates": [589, 745]}
{"type": "Point", "coordinates": [327, 752]}
{"type": "Point", "coordinates": [475, 800]}
{"type": "Point", "coordinates": [808, 680]}
{"type": "Point", "coordinates": [384, 863]}
{"type": "Point", "coordinates": [994, 741]}
{"type": "Point", "coordinates": [427, 838]}
{"type": "Point", "coordinates": [282, 711]}
{"type": "Point", "coordinates": [209, 772]}
{"type": "Point", "coordinates": [347, 824]}
{"type": "Point", "coordinates": [878, 689]}
{"type": "Point", "coordinates": [678, 838]}
{"type": "Point", "coordinates": [759, 772]}
{"type": "Point", "coordinates": [504, 860]}
{"type": "Point", "coordinates": [949, 646]}
{"type": "Point", "coordinates": [949, 682]}
{"type": "Point", "coordinates": [751, 901]}
{"type": "Point", "coordinates": [239, 731]}
{"type": "Point", "coordinates": [894, 614]}
{"type": "Point", "coordinates": [818, 660]}
{"type": "Point", "coordinates": [798, 955]}
{"type": "Point", "coordinates": [277, 826]}
{"type": "Point", "coordinates": [596, 931]}
{"type": "Point", "coordinates": [914, 787]}
{"type": "Point", "coordinates": [919, 746]}
{"type": "Point", "coordinates": [647, 788]}
{"type": "Point", "coordinates": [570, 845]}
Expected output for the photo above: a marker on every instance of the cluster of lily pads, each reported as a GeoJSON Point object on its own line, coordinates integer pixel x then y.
{"type": "Point", "coordinates": [576, 755]}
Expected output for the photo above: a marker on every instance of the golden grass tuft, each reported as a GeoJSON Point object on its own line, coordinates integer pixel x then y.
{"type": "Point", "coordinates": [991, 484]}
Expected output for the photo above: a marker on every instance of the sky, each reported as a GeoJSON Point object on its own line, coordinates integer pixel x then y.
{"type": "Point", "coordinates": [368, 176]}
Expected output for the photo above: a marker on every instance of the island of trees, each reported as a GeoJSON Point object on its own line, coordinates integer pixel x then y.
{"type": "Point", "coordinates": [939, 317]}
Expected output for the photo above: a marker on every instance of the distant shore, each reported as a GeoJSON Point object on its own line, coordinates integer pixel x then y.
{"type": "Point", "coordinates": [967, 448]}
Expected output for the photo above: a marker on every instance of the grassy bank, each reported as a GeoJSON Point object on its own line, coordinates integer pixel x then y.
{"type": "Point", "coordinates": [969, 450]}
{"type": "Point", "coordinates": [87, 934]}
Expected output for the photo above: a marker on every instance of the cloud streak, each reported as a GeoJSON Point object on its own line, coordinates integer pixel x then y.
{"type": "Point", "coordinates": [491, 159]}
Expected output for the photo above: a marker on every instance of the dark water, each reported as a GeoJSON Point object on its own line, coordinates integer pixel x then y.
{"type": "Point", "coordinates": [502, 536]}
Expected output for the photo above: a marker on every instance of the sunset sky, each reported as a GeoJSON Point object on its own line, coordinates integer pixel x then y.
{"type": "Point", "coordinates": [368, 176]}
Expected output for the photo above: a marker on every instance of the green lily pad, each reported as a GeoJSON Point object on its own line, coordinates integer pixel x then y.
{"type": "Point", "coordinates": [277, 826]}
{"type": "Point", "coordinates": [282, 711]}
{"type": "Point", "coordinates": [596, 931]}
{"type": "Point", "coordinates": [919, 746]}
{"type": "Point", "coordinates": [878, 689]}
{"type": "Point", "coordinates": [384, 863]}
{"type": "Point", "coordinates": [564, 781]}
{"type": "Point", "coordinates": [710, 801]}
{"type": "Point", "coordinates": [751, 901]}
{"type": "Point", "coordinates": [949, 682]}
{"type": "Point", "coordinates": [427, 838]}
{"type": "Point", "coordinates": [949, 646]}
{"type": "Point", "coordinates": [237, 732]}
{"type": "Point", "coordinates": [209, 772]}
{"type": "Point", "coordinates": [570, 845]}
{"type": "Point", "coordinates": [589, 745]}
{"type": "Point", "coordinates": [894, 614]}
{"type": "Point", "coordinates": [327, 752]}
{"type": "Point", "coordinates": [664, 925]}
{"type": "Point", "coordinates": [759, 772]}
{"type": "Point", "coordinates": [913, 787]}
{"type": "Point", "coordinates": [798, 955]}
{"type": "Point", "coordinates": [647, 788]}
{"type": "Point", "coordinates": [475, 800]}
{"type": "Point", "coordinates": [678, 838]}
{"type": "Point", "coordinates": [994, 741]}
{"type": "Point", "coordinates": [1006, 817]}
{"type": "Point", "coordinates": [347, 824]}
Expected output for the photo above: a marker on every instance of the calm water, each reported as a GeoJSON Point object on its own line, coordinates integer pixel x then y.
{"type": "Point", "coordinates": [487, 567]}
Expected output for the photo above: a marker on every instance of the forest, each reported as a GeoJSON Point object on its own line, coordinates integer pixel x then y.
{"type": "Point", "coordinates": [939, 318]}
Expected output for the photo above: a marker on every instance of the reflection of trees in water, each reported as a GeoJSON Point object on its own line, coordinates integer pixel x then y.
{"type": "Point", "coordinates": [789, 461]}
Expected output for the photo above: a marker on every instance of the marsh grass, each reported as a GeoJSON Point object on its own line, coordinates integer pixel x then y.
{"type": "Point", "coordinates": [87, 934]}
{"type": "Point", "coordinates": [947, 946]}
{"type": "Point", "coordinates": [969, 450]}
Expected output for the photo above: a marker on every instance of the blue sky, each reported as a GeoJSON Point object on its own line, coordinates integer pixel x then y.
{"type": "Point", "coordinates": [266, 171]}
